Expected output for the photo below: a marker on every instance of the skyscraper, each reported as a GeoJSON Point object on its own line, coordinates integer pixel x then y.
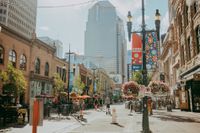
{"type": "Point", "coordinates": [105, 42]}
{"type": "Point", "coordinates": [19, 15]}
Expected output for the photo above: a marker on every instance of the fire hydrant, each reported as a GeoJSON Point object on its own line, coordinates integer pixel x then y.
{"type": "Point", "coordinates": [114, 116]}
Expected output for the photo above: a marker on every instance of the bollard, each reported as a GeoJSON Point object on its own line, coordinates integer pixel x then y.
{"type": "Point", "coordinates": [114, 116]}
{"type": "Point", "coordinates": [145, 118]}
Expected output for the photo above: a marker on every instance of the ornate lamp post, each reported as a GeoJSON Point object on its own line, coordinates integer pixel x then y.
{"type": "Point", "coordinates": [145, 120]}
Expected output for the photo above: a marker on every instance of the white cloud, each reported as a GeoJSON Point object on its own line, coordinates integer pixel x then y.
{"type": "Point", "coordinates": [44, 28]}
{"type": "Point", "coordinates": [165, 23]}
{"type": "Point", "coordinates": [123, 6]}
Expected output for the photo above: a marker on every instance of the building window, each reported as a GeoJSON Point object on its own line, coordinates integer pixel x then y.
{"type": "Point", "coordinates": [64, 75]}
{"type": "Point", "coordinates": [189, 49]}
{"type": "Point", "coordinates": [37, 66]}
{"type": "Point", "coordinates": [12, 57]}
{"type": "Point", "coordinates": [22, 62]}
{"type": "Point", "coordinates": [1, 54]}
{"type": "Point", "coordinates": [182, 56]}
{"type": "Point", "coordinates": [46, 73]}
{"type": "Point", "coordinates": [198, 38]}
{"type": "Point", "coordinates": [186, 15]}
{"type": "Point", "coordinates": [180, 26]}
{"type": "Point", "coordinates": [196, 7]}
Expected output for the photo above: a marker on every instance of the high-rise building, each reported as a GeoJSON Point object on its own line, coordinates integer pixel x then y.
{"type": "Point", "coordinates": [19, 15]}
{"type": "Point", "coordinates": [105, 43]}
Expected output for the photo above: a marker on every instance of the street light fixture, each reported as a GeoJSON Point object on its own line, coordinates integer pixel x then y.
{"type": "Point", "coordinates": [129, 25]}
{"type": "Point", "coordinates": [145, 119]}
{"type": "Point", "coordinates": [157, 23]}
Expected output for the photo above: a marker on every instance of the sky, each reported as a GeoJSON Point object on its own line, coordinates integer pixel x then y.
{"type": "Point", "coordinates": [65, 20]}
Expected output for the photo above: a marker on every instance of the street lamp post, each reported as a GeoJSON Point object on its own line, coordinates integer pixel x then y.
{"type": "Point", "coordinates": [68, 76]}
{"type": "Point", "coordinates": [68, 83]}
{"type": "Point", "coordinates": [145, 119]}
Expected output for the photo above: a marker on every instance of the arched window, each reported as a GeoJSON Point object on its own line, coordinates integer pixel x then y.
{"type": "Point", "coordinates": [12, 57]}
{"type": "Point", "coordinates": [1, 55]}
{"type": "Point", "coordinates": [46, 73]}
{"type": "Point", "coordinates": [198, 38]}
{"type": "Point", "coordinates": [22, 62]}
{"type": "Point", "coordinates": [37, 66]}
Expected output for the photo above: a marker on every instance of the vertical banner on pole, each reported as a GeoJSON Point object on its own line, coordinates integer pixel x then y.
{"type": "Point", "coordinates": [151, 50]}
{"type": "Point", "coordinates": [136, 52]}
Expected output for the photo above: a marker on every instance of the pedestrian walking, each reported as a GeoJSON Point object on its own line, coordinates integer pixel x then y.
{"type": "Point", "coordinates": [149, 106]}
{"type": "Point", "coordinates": [96, 104]}
{"type": "Point", "coordinates": [131, 106]}
{"type": "Point", "coordinates": [107, 102]}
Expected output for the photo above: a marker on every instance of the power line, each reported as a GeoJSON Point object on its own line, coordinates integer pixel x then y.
{"type": "Point", "coordinates": [53, 6]}
{"type": "Point", "coordinates": [69, 5]}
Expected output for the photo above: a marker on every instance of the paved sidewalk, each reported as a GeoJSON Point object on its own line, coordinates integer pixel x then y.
{"type": "Point", "coordinates": [98, 122]}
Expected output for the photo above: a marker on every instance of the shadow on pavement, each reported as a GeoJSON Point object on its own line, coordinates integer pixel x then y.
{"type": "Point", "coordinates": [117, 124]}
{"type": "Point", "coordinates": [167, 117]}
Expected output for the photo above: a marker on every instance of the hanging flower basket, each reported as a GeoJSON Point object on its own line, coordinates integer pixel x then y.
{"type": "Point", "coordinates": [158, 86]}
{"type": "Point", "coordinates": [130, 87]}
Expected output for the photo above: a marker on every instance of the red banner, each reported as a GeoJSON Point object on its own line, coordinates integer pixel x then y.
{"type": "Point", "coordinates": [136, 49]}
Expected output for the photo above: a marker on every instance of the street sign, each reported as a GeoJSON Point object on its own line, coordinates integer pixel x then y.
{"type": "Point", "coordinates": [136, 67]}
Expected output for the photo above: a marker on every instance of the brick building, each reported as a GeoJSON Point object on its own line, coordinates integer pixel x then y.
{"type": "Point", "coordinates": [36, 60]}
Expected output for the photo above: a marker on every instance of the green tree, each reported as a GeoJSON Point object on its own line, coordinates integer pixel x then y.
{"type": "Point", "coordinates": [137, 77]}
{"type": "Point", "coordinates": [58, 84]}
{"type": "Point", "coordinates": [79, 85]}
{"type": "Point", "coordinates": [98, 86]}
{"type": "Point", "coordinates": [13, 81]}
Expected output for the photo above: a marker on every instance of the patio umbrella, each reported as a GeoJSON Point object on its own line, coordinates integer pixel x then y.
{"type": "Point", "coordinates": [84, 96]}
{"type": "Point", "coordinates": [44, 96]}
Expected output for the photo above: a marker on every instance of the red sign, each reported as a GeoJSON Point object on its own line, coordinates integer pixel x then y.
{"type": "Point", "coordinates": [136, 49]}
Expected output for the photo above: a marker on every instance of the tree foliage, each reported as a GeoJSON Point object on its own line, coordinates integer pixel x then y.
{"type": "Point", "coordinates": [58, 84]}
{"type": "Point", "coordinates": [138, 77]}
{"type": "Point", "coordinates": [99, 89]}
{"type": "Point", "coordinates": [79, 85]}
{"type": "Point", "coordinates": [91, 90]}
{"type": "Point", "coordinates": [13, 81]}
